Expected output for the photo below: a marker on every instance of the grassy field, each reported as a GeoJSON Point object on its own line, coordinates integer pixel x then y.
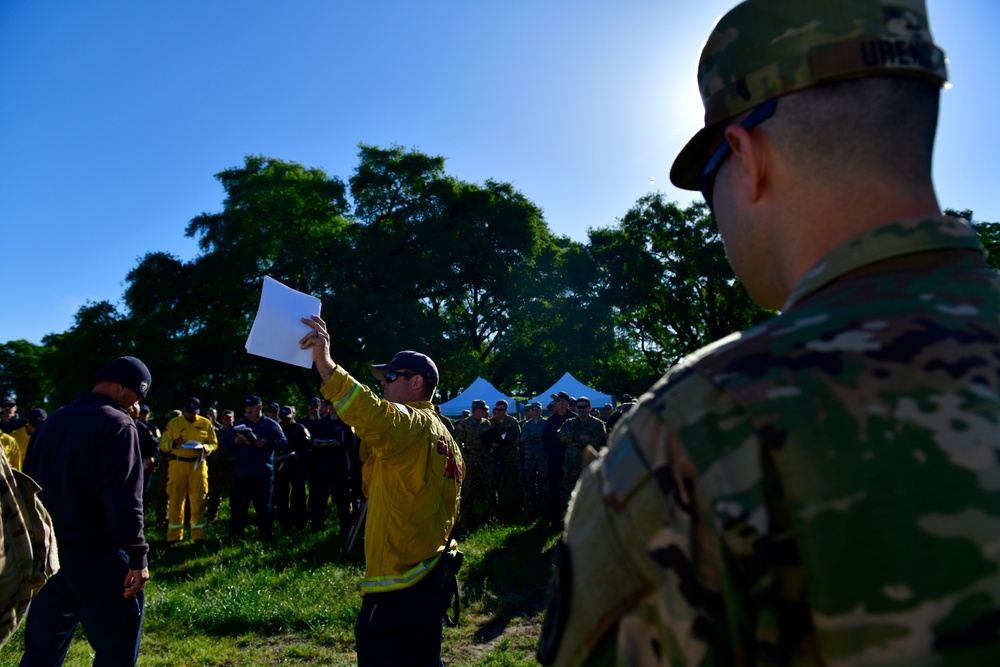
{"type": "Point", "coordinates": [293, 601]}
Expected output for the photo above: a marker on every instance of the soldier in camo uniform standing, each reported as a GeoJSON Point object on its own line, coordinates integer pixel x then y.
{"type": "Point", "coordinates": [510, 485]}
{"type": "Point", "coordinates": [536, 472]}
{"type": "Point", "coordinates": [823, 488]}
{"type": "Point", "coordinates": [578, 433]}
{"type": "Point", "coordinates": [478, 483]}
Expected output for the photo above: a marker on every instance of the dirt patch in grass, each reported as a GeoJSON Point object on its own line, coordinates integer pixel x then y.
{"type": "Point", "coordinates": [519, 635]}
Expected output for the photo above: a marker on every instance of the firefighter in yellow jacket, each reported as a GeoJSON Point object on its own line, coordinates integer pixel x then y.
{"type": "Point", "coordinates": [11, 452]}
{"type": "Point", "coordinates": [412, 480]}
{"type": "Point", "coordinates": [189, 438]}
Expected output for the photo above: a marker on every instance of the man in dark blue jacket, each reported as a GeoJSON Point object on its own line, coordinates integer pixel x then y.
{"type": "Point", "coordinates": [333, 444]}
{"type": "Point", "coordinates": [290, 473]}
{"type": "Point", "coordinates": [254, 439]}
{"type": "Point", "coordinates": [86, 458]}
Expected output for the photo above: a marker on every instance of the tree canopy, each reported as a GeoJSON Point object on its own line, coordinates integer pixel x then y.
{"type": "Point", "coordinates": [405, 255]}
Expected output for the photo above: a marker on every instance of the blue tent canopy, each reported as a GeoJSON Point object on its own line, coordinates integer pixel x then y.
{"type": "Point", "coordinates": [480, 389]}
{"type": "Point", "coordinates": [574, 388]}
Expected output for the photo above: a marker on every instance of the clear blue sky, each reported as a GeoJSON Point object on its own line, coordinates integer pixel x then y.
{"type": "Point", "coordinates": [115, 115]}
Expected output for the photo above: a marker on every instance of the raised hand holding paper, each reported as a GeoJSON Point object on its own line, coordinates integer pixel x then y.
{"type": "Point", "coordinates": [278, 325]}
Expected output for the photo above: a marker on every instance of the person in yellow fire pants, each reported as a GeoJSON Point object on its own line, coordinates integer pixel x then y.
{"type": "Point", "coordinates": [188, 439]}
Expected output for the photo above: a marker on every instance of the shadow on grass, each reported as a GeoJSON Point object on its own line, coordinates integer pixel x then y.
{"type": "Point", "coordinates": [512, 579]}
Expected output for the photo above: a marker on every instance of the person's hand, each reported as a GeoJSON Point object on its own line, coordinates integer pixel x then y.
{"type": "Point", "coordinates": [319, 340]}
{"type": "Point", "coordinates": [261, 442]}
{"type": "Point", "coordinates": [179, 441]}
{"type": "Point", "coordinates": [135, 581]}
{"type": "Point", "coordinates": [240, 439]}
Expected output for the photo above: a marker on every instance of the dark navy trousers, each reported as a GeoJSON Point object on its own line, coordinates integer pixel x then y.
{"type": "Point", "coordinates": [86, 591]}
{"type": "Point", "coordinates": [403, 627]}
{"type": "Point", "coordinates": [258, 491]}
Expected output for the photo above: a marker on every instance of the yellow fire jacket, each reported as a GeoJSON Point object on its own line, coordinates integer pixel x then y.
{"type": "Point", "coordinates": [412, 479]}
{"type": "Point", "coordinates": [11, 450]}
{"type": "Point", "coordinates": [23, 440]}
{"type": "Point", "coordinates": [200, 430]}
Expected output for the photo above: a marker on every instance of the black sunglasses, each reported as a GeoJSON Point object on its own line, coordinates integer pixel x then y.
{"type": "Point", "coordinates": [708, 174]}
{"type": "Point", "coordinates": [583, 407]}
{"type": "Point", "coordinates": [392, 376]}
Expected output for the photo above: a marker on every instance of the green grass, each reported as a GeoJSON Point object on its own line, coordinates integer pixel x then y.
{"type": "Point", "coordinates": [293, 601]}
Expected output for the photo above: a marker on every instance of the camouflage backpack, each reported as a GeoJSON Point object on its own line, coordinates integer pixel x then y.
{"type": "Point", "coordinates": [28, 554]}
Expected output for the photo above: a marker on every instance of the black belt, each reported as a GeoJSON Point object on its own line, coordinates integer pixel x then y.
{"type": "Point", "coordinates": [181, 458]}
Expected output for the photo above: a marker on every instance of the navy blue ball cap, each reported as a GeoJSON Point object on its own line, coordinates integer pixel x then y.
{"type": "Point", "coordinates": [192, 405]}
{"type": "Point", "coordinates": [8, 400]}
{"type": "Point", "coordinates": [273, 406]}
{"type": "Point", "coordinates": [252, 400]}
{"type": "Point", "coordinates": [411, 361]}
{"type": "Point", "coordinates": [37, 416]}
{"type": "Point", "coordinates": [128, 372]}
{"type": "Point", "coordinates": [314, 402]}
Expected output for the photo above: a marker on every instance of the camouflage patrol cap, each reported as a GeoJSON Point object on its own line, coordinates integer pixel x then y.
{"type": "Point", "coordinates": [763, 49]}
{"type": "Point", "coordinates": [479, 403]}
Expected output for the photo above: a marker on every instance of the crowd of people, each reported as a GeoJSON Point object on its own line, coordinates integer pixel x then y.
{"type": "Point", "coordinates": [15, 430]}
{"type": "Point", "coordinates": [295, 471]}
{"type": "Point", "coordinates": [522, 469]}
{"type": "Point", "coordinates": [289, 470]}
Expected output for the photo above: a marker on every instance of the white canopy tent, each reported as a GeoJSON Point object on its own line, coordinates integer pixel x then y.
{"type": "Point", "coordinates": [479, 389]}
{"type": "Point", "coordinates": [574, 388]}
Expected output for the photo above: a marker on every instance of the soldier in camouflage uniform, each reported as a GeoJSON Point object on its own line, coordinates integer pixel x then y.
{"type": "Point", "coordinates": [536, 472]}
{"type": "Point", "coordinates": [507, 457]}
{"type": "Point", "coordinates": [579, 433]}
{"type": "Point", "coordinates": [823, 489]}
{"type": "Point", "coordinates": [468, 435]}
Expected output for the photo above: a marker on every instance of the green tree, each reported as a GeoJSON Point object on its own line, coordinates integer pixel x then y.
{"type": "Point", "coordinates": [539, 344]}
{"type": "Point", "coordinates": [159, 297]}
{"type": "Point", "coordinates": [455, 269]}
{"type": "Point", "coordinates": [279, 219]}
{"type": "Point", "coordinates": [490, 273]}
{"type": "Point", "coordinates": [399, 197]}
{"type": "Point", "coordinates": [73, 358]}
{"type": "Point", "coordinates": [989, 234]}
{"type": "Point", "coordinates": [21, 374]}
{"type": "Point", "coordinates": [665, 276]}
{"type": "Point", "coordinates": [189, 320]}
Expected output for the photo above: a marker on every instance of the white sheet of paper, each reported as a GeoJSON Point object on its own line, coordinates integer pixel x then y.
{"type": "Point", "coordinates": [191, 444]}
{"type": "Point", "coordinates": [278, 326]}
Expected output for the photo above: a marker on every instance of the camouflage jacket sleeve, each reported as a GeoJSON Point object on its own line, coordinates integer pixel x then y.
{"type": "Point", "coordinates": [465, 432]}
{"type": "Point", "coordinates": [650, 505]}
{"type": "Point", "coordinates": [567, 432]}
{"type": "Point", "coordinates": [592, 432]}
{"type": "Point", "coordinates": [599, 432]}
{"type": "Point", "coordinates": [509, 429]}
